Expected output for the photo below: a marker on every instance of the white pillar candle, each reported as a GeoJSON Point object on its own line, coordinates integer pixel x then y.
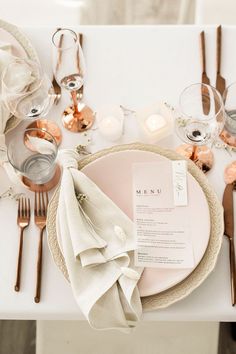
{"type": "Point", "coordinates": [110, 122]}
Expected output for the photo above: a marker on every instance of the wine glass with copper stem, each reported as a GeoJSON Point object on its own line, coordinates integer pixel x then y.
{"type": "Point", "coordinates": [69, 72]}
{"type": "Point", "coordinates": [28, 94]}
{"type": "Point", "coordinates": [200, 120]}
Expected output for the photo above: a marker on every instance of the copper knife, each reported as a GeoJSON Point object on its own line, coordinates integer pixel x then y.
{"type": "Point", "coordinates": [80, 91]}
{"type": "Point", "coordinates": [220, 81]}
{"type": "Point", "coordinates": [229, 232]}
{"type": "Point", "coordinates": [205, 78]}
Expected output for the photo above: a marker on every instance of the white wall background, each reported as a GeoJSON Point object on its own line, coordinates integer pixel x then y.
{"type": "Point", "coordinates": [70, 12]}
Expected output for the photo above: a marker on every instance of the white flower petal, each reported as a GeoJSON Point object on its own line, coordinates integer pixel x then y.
{"type": "Point", "coordinates": [120, 233]}
{"type": "Point", "coordinates": [42, 146]}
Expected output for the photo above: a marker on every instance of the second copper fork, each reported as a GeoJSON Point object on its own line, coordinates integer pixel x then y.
{"type": "Point", "coordinates": [23, 220]}
{"type": "Point", "coordinates": [40, 216]}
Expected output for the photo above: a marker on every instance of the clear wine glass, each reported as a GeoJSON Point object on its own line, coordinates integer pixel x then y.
{"type": "Point", "coordinates": [20, 82]}
{"type": "Point", "coordinates": [28, 94]}
{"type": "Point", "coordinates": [199, 123]}
{"type": "Point", "coordinates": [69, 72]}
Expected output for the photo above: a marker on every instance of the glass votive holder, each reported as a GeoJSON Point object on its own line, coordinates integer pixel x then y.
{"type": "Point", "coordinates": [229, 98]}
{"type": "Point", "coordinates": [110, 121]}
{"type": "Point", "coordinates": [33, 153]}
{"type": "Point", "coordinates": [155, 122]}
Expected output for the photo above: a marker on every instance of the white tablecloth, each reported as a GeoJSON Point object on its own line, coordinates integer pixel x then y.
{"type": "Point", "coordinates": [132, 66]}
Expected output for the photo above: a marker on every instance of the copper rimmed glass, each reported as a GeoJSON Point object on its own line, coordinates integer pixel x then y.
{"type": "Point", "coordinates": [33, 153]}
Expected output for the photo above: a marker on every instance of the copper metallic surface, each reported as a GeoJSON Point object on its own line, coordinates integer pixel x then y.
{"type": "Point", "coordinates": [40, 218]}
{"type": "Point", "coordinates": [79, 117]}
{"type": "Point", "coordinates": [230, 173]}
{"type": "Point", "coordinates": [200, 155]}
{"type": "Point", "coordinates": [57, 90]}
{"type": "Point", "coordinates": [205, 78]}
{"type": "Point", "coordinates": [228, 205]}
{"type": "Point", "coordinates": [228, 138]}
{"type": "Point", "coordinates": [48, 126]}
{"type": "Point", "coordinates": [80, 91]}
{"type": "Point", "coordinates": [78, 120]}
{"type": "Point", "coordinates": [220, 81]}
{"type": "Point", "coordinates": [23, 220]}
{"type": "Point", "coordinates": [46, 186]}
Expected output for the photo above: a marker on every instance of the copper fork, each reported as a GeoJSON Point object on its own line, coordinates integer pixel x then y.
{"type": "Point", "coordinates": [40, 215]}
{"type": "Point", "coordinates": [23, 220]}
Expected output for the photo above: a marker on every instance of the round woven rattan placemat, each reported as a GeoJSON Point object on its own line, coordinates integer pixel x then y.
{"type": "Point", "coordinates": [206, 265]}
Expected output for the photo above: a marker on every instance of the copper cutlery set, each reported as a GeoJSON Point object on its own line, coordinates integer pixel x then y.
{"type": "Point", "coordinates": [220, 81]}
{"type": "Point", "coordinates": [23, 221]}
{"type": "Point", "coordinates": [228, 205]}
{"type": "Point", "coordinates": [229, 189]}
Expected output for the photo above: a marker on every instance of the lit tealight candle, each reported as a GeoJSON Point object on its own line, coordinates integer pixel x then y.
{"type": "Point", "coordinates": [110, 128]}
{"type": "Point", "coordinates": [155, 122]}
{"type": "Point", "coordinates": [110, 122]}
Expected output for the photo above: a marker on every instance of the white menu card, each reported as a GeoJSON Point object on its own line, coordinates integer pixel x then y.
{"type": "Point", "coordinates": [163, 241]}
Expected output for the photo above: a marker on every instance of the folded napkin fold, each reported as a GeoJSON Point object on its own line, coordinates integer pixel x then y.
{"type": "Point", "coordinates": [5, 59]}
{"type": "Point", "coordinates": [97, 241]}
{"type": "Point", "coordinates": [17, 82]}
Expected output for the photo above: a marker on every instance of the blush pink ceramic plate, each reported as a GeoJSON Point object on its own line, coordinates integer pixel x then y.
{"type": "Point", "coordinates": [113, 174]}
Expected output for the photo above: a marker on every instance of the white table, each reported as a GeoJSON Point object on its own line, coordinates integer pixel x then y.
{"type": "Point", "coordinates": [132, 66]}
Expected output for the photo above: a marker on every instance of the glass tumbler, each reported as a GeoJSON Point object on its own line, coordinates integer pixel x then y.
{"type": "Point", "coordinates": [228, 135]}
{"type": "Point", "coordinates": [33, 153]}
{"type": "Point", "coordinates": [229, 98]}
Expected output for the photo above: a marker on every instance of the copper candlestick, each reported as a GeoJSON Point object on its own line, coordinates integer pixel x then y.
{"type": "Point", "coordinates": [78, 117]}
